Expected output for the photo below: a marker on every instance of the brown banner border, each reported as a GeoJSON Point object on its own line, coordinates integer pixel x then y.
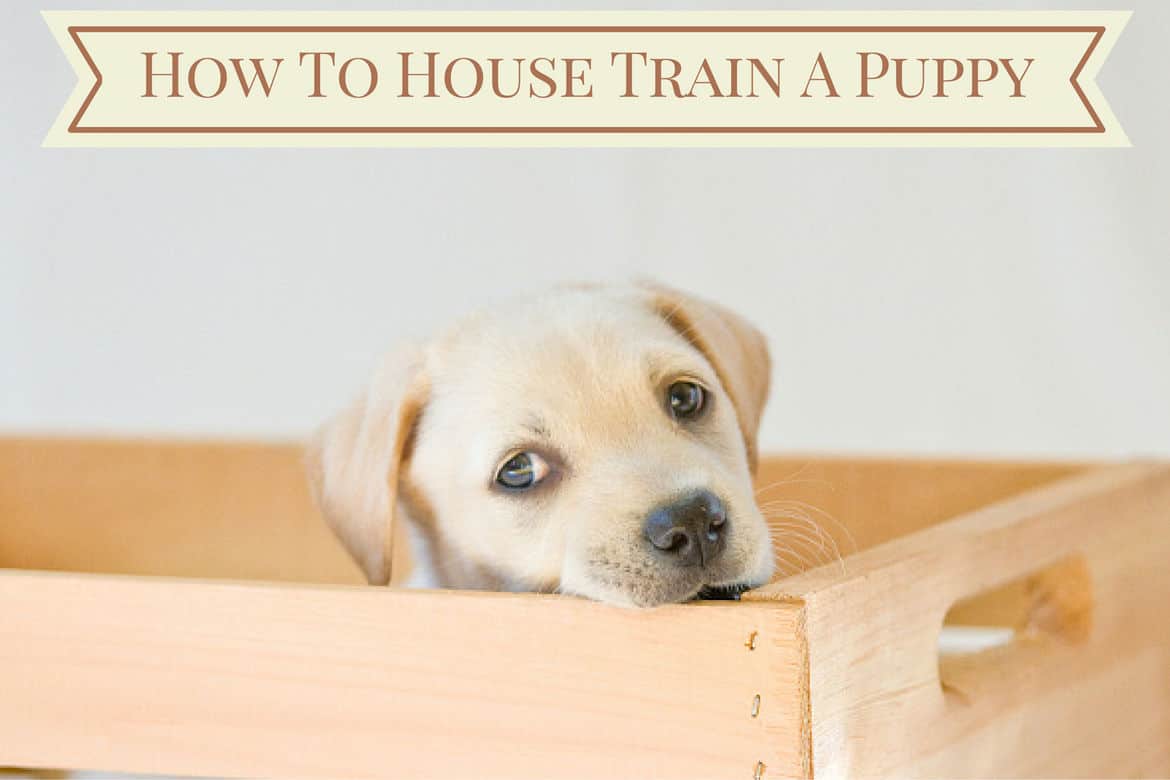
{"type": "Point", "coordinates": [1097, 126]}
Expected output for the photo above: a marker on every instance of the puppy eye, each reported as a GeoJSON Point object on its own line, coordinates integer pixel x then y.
{"type": "Point", "coordinates": [686, 400]}
{"type": "Point", "coordinates": [522, 471]}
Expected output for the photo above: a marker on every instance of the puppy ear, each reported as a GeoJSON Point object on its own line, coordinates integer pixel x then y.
{"type": "Point", "coordinates": [735, 348]}
{"type": "Point", "coordinates": [353, 461]}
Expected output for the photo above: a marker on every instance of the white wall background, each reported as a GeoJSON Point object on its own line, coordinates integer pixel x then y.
{"type": "Point", "coordinates": [960, 301]}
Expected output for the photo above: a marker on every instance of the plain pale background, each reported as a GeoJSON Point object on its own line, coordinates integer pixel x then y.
{"type": "Point", "coordinates": [996, 302]}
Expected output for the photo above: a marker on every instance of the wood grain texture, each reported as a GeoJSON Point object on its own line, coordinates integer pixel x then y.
{"type": "Point", "coordinates": [242, 510]}
{"type": "Point", "coordinates": [185, 509]}
{"type": "Point", "coordinates": [857, 503]}
{"type": "Point", "coordinates": [231, 680]}
{"type": "Point", "coordinates": [1047, 706]}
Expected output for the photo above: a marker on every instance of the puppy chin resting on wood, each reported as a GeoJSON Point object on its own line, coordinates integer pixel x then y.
{"type": "Point", "coordinates": [594, 440]}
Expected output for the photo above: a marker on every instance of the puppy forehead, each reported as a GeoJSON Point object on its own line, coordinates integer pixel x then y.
{"type": "Point", "coordinates": [583, 336]}
{"type": "Point", "coordinates": [566, 356]}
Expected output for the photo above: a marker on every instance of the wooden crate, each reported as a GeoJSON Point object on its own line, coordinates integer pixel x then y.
{"type": "Point", "coordinates": [179, 608]}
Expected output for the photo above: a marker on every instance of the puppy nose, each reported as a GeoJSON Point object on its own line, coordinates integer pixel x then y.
{"type": "Point", "coordinates": [692, 529]}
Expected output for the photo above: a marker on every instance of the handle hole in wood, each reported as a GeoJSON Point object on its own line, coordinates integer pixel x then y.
{"type": "Point", "coordinates": [982, 635]}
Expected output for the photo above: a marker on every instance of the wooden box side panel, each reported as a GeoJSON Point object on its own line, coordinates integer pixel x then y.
{"type": "Point", "coordinates": [184, 509]}
{"type": "Point", "coordinates": [823, 507]}
{"type": "Point", "coordinates": [231, 680]}
{"type": "Point", "coordinates": [242, 510]}
{"type": "Point", "coordinates": [1048, 705]}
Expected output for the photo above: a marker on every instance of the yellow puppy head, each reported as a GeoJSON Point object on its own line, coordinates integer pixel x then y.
{"type": "Point", "coordinates": [596, 441]}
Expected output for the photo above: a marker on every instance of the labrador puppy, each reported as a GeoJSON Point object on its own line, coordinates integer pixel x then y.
{"type": "Point", "coordinates": [596, 440]}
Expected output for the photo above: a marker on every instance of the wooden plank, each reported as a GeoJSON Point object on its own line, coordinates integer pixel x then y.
{"type": "Point", "coordinates": [819, 506]}
{"type": "Point", "coordinates": [225, 679]}
{"type": "Point", "coordinates": [1054, 704]}
{"type": "Point", "coordinates": [187, 509]}
{"type": "Point", "coordinates": [242, 510]}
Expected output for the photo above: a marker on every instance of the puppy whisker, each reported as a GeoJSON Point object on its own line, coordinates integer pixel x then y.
{"type": "Point", "coordinates": [795, 478]}
{"type": "Point", "coordinates": [792, 524]}
{"type": "Point", "coordinates": [809, 508]}
{"type": "Point", "coordinates": [791, 481]}
{"type": "Point", "coordinates": [801, 532]}
{"type": "Point", "coordinates": [796, 562]}
{"type": "Point", "coordinates": [815, 548]}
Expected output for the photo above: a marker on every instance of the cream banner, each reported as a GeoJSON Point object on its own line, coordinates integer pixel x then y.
{"type": "Point", "coordinates": [904, 78]}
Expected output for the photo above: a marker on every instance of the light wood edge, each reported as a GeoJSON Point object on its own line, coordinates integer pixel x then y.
{"type": "Point", "coordinates": [886, 610]}
{"type": "Point", "coordinates": [952, 543]}
{"type": "Point", "coordinates": [132, 674]}
{"type": "Point", "coordinates": [241, 509]}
